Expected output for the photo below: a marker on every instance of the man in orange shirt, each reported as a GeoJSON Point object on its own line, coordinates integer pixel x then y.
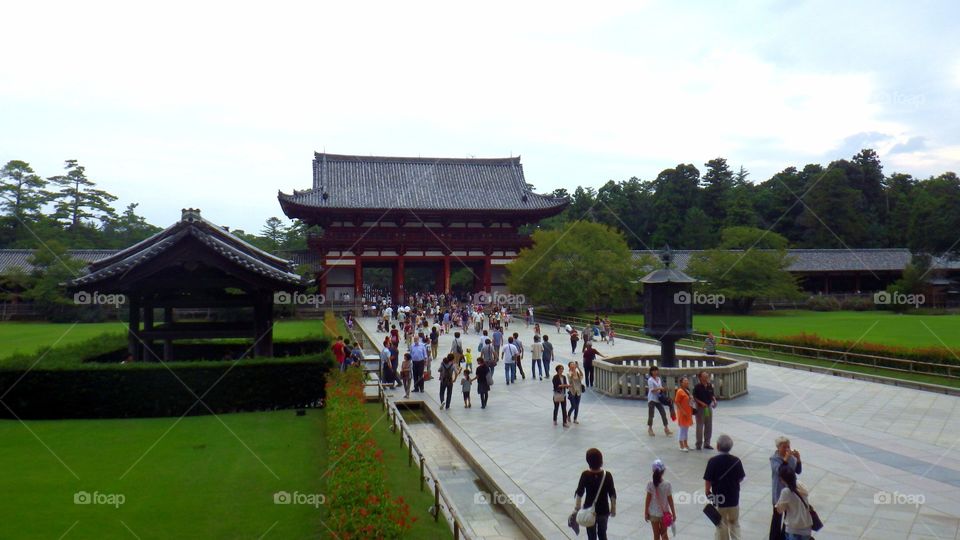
{"type": "Point", "coordinates": [684, 405]}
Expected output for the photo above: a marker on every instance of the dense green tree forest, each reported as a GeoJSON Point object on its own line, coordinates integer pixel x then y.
{"type": "Point", "coordinates": [848, 203]}
{"type": "Point", "coordinates": [69, 211]}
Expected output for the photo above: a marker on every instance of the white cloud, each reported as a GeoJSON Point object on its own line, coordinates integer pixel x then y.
{"type": "Point", "coordinates": [178, 105]}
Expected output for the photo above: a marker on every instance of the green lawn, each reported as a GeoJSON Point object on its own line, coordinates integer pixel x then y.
{"type": "Point", "coordinates": [197, 481]}
{"type": "Point", "coordinates": [865, 326]}
{"type": "Point", "coordinates": [26, 337]}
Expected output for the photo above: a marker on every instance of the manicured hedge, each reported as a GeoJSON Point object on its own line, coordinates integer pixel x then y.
{"type": "Point", "coordinates": [57, 383]}
{"type": "Point", "coordinates": [193, 352]}
{"type": "Point", "coordinates": [106, 350]}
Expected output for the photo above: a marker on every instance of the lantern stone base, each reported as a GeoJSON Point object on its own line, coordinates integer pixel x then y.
{"type": "Point", "coordinates": [626, 376]}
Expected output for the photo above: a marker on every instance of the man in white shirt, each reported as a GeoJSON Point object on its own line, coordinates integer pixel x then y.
{"type": "Point", "coordinates": [509, 354]}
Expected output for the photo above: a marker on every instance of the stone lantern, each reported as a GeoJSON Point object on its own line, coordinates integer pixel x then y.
{"type": "Point", "coordinates": [667, 307]}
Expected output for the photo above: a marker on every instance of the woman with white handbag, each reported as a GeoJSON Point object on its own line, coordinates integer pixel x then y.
{"type": "Point", "coordinates": [560, 386]}
{"type": "Point", "coordinates": [596, 487]}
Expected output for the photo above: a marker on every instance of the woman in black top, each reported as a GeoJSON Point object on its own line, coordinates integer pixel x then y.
{"type": "Point", "coordinates": [482, 387]}
{"type": "Point", "coordinates": [559, 395]}
{"type": "Point", "coordinates": [606, 506]}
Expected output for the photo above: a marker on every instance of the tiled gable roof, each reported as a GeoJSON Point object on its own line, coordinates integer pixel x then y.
{"type": "Point", "coordinates": [363, 182]}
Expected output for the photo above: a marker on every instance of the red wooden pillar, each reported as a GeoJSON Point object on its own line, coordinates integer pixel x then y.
{"type": "Point", "coordinates": [322, 277]}
{"type": "Point", "coordinates": [398, 295]}
{"type": "Point", "coordinates": [487, 274]}
{"type": "Point", "coordinates": [357, 277]}
{"type": "Point", "coordinates": [446, 274]}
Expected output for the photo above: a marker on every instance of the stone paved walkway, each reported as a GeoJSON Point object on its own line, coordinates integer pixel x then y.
{"type": "Point", "coordinates": [858, 440]}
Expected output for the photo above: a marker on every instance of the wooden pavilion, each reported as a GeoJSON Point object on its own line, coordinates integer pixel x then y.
{"type": "Point", "coordinates": [192, 264]}
{"type": "Point", "coordinates": [402, 213]}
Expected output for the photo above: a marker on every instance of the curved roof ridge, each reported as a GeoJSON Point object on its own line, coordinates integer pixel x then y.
{"type": "Point", "coordinates": [407, 159]}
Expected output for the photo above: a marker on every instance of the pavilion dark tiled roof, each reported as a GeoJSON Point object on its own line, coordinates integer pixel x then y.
{"type": "Point", "coordinates": [821, 260]}
{"type": "Point", "coordinates": [213, 236]}
{"type": "Point", "coordinates": [384, 183]}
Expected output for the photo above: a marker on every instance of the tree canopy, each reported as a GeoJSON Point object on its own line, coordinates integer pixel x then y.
{"type": "Point", "coordinates": [748, 264]}
{"type": "Point", "coordinates": [849, 203]}
{"type": "Point", "coordinates": [585, 265]}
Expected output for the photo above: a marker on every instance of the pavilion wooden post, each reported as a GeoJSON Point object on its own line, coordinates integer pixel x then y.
{"type": "Point", "coordinates": [133, 339]}
{"type": "Point", "coordinates": [167, 343]}
{"type": "Point", "coordinates": [263, 325]}
{"type": "Point", "coordinates": [147, 327]}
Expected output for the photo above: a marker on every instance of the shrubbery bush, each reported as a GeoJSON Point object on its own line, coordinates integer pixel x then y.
{"type": "Point", "coordinates": [937, 355]}
{"type": "Point", "coordinates": [360, 505]}
{"type": "Point", "coordinates": [57, 383]}
{"type": "Point", "coordinates": [823, 303]}
{"type": "Point", "coordinates": [857, 303]}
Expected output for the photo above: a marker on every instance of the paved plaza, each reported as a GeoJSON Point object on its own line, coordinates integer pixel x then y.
{"type": "Point", "coordinates": [862, 444]}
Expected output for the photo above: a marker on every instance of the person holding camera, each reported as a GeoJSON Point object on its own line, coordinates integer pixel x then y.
{"type": "Point", "coordinates": [784, 455]}
{"type": "Point", "coordinates": [656, 396]}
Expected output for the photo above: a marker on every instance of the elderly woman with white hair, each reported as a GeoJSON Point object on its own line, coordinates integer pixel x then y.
{"type": "Point", "coordinates": [784, 455]}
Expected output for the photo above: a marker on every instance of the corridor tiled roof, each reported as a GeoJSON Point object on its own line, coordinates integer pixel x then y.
{"type": "Point", "coordinates": [821, 260]}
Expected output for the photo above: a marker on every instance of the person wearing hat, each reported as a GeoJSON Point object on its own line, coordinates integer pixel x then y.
{"type": "Point", "coordinates": [659, 503]}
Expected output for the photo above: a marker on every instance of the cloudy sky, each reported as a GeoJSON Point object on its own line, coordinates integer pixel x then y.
{"type": "Point", "coordinates": [219, 105]}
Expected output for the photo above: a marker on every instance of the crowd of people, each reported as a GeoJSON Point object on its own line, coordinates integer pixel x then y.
{"type": "Point", "coordinates": [793, 518]}
{"type": "Point", "coordinates": [420, 325]}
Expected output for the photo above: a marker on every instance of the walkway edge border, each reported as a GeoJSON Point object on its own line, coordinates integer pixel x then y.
{"type": "Point", "coordinates": [880, 379]}
{"type": "Point", "coordinates": [532, 520]}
